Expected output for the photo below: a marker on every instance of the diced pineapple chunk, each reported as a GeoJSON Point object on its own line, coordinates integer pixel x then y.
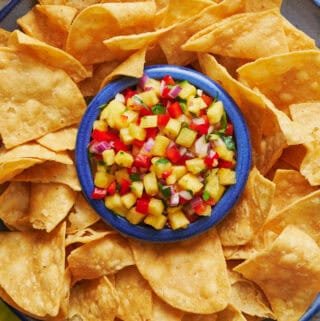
{"type": "Point", "coordinates": [149, 121]}
{"type": "Point", "coordinates": [125, 136]}
{"type": "Point", "coordinates": [226, 176]}
{"type": "Point", "coordinates": [178, 220]}
{"type": "Point", "coordinates": [121, 174]}
{"type": "Point", "coordinates": [134, 217]}
{"type": "Point", "coordinates": [123, 159]}
{"type": "Point", "coordinates": [129, 199]}
{"type": "Point", "coordinates": [156, 207]}
{"type": "Point", "coordinates": [195, 105]}
{"type": "Point", "coordinates": [224, 152]}
{"type": "Point", "coordinates": [150, 184]}
{"type": "Point", "coordinates": [214, 188]}
{"type": "Point", "coordinates": [115, 204]}
{"type": "Point", "coordinates": [150, 97]}
{"type": "Point", "coordinates": [161, 166]}
{"type": "Point", "coordinates": [207, 211]}
{"type": "Point", "coordinates": [112, 112]}
{"type": "Point", "coordinates": [137, 188]}
{"type": "Point", "coordinates": [195, 165]}
{"type": "Point", "coordinates": [108, 156]}
{"type": "Point", "coordinates": [190, 182]}
{"type": "Point", "coordinates": [187, 90]}
{"type": "Point", "coordinates": [172, 128]}
{"type": "Point", "coordinates": [156, 221]}
{"type": "Point", "coordinates": [177, 172]}
{"type": "Point", "coordinates": [215, 112]}
{"type": "Point", "coordinates": [174, 209]}
{"type": "Point", "coordinates": [160, 145]}
{"type": "Point", "coordinates": [186, 137]}
{"type": "Point", "coordinates": [155, 84]}
{"type": "Point", "coordinates": [103, 179]}
{"type": "Point", "coordinates": [101, 168]}
{"type": "Point", "coordinates": [100, 124]}
{"type": "Point", "coordinates": [137, 132]}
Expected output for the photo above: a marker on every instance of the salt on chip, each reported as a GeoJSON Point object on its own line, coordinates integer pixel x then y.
{"type": "Point", "coordinates": [56, 100]}
{"type": "Point", "coordinates": [100, 257]}
{"type": "Point", "coordinates": [250, 213]}
{"type": "Point", "coordinates": [163, 311]}
{"type": "Point", "coordinates": [103, 21]}
{"type": "Point", "coordinates": [49, 204]}
{"type": "Point", "coordinates": [94, 300]}
{"type": "Point", "coordinates": [288, 273]}
{"type": "Point", "coordinates": [14, 206]}
{"type": "Point", "coordinates": [32, 270]}
{"type": "Point", "coordinates": [135, 295]}
{"type": "Point", "coordinates": [238, 37]}
{"type": "Point", "coordinates": [190, 275]}
{"type": "Point", "coordinates": [279, 76]}
{"type": "Point", "coordinates": [63, 139]}
{"type": "Point", "coordinates": [49, 55]}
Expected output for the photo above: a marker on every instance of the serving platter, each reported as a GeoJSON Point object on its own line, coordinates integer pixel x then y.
{"type": "Point", "coordinates": [304, 14]}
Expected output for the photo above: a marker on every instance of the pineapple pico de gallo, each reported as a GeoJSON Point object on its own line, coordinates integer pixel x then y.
{"type": "Point", "coordinates": [164, 153]}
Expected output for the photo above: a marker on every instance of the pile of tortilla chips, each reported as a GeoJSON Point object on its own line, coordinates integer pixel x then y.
{"type": "Point", "coordinates": [59, 261]}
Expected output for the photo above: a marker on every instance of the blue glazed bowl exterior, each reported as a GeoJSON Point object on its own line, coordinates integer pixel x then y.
{"type": "Point", "coordinates": [231, 195]}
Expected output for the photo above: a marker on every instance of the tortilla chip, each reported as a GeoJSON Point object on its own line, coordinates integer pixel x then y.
{"type": "Point", "coordinates": [54, 111]}
{"type": "Point", "coordinates": [14, 206]}
{"type": "Point", "coordinates": [250, 213]}
{"type": "Point", "coordinates": [86, 235]}
{"type": "Point", "coordinates": [32, 270]}
{"type": "Point", "coordinates": [100, 257]}
{"type": "Point", "coordinates": [231, 313]}
{"type": "Point", "coordinates": [278, 77]}
{"type": "Point", "coordinates": [135, 295]}
{"type": "Point", "coordinates": [288, 273]}
{"type": "Point", "coordinates": [237, 36]}
{"type": "Point", "coordinates": [293, 155]}
{"type": "Point", "coordinates": [63, 139]}
{"type": "Point", "coordinates": [163, 311]}
{"type": "Point", "coordinates": [255, 6]}
{"type": "Point", "coordinates": [49, 204]}
{"type": "Point", "coordinates": [188, 274]}
{"type": "Point", "coordinates": [94, 300]}
{"type": "Point", "coordinates": [199, 317]}
{"type": "Point", "coordinates": [103, 21]}
{"type": "Point", "coordinates": [4, 37]}
{"type": "Point", "coordinates": [50, 172]}
{"type": "Point", "coordinates": [310, 165]}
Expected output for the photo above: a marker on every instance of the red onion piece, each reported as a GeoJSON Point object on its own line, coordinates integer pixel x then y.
{"type": "Point", "coordinates": [198, 121]}
{"type": "Point", "coordinates": [201, 146]}
{"type": "Point", "coordinates": [143, 81]}
{"type": "Point", "coordinates": [196, 202]}
{"type": "Point", "coordinates": [174, 91]}
{"type": "Point", "coordinates": [99, 147]}
{"type": "Point", "coordinates": [148, 145]}
{"type": "Point", "coordinates": [186, 195]}
{"type": "Point", "coordinates": [174, 199]}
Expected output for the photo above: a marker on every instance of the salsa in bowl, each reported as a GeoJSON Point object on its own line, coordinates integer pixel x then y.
{"type": "Point", "coordinates": [164, 157]}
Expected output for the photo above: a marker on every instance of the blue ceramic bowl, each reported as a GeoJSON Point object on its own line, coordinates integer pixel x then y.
{"type": "Point", "coordinates": [231, 195]}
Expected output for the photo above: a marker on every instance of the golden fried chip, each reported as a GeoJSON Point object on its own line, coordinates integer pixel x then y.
{"type": "Point", "coordinates": [310, 165]}
{"type": "Point", "coordinates": [32, 270]}
{"type": "Point", "coordinates": [279, 76]}
{"type": "Point", "coordinates": [293, 155]}
{"type": "Point", "coordinates": [94, 300]}
{"type": "Point", "coordinates": [255, 6]}
{"type": "Point", "coordinates": [47, 54]}
{"type": "Point", "coordinates": [14, 206]}
{"type": "Point", "coordinates": [86, 235]}
{"type": "Point", "coordinates": [248, 216]}
{"type": "Point", "coordinates": [135, 295]}
{"type": "Point", "coordinates": [187, 275]}
{"type": "Point", "coordinates": [56, 100]}
{"type": "Point", "coordinates": [63, 139]}
{"type": "Point", "coordinates": [163, 311]}
{"type": "Point", "coordinates": [49, 204]}
{"type": "Point", "coordinates": [100, 257]}
{"type": "Point", "coordinates": [237, 36]}
{"type": "Point", "coordinates": [4, 37]}
{"type": "Point", "coordinates": [288, 273]}
{"type": "Point", "coordinates": [103, 21]}
{"type": "Point", "coordinates": [50, 172]}
{"type": "Point", "coordinates": [231, 313]}
{"type": "Point", "coordinates": [199, 317]}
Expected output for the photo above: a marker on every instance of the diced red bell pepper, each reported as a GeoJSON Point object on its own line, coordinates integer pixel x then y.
{"type": "Point", "coordinates": [202, 129]}
{"type": "Point", "coordinates": [211, 201]}
{"type": "Point", "coordinates": [175, 110]}
{"type": "Point", "coordinates": [207, 99]}
{"type": "Point", "coordinates": [200, 209]}
{"type": "Point", "coordinates": [99, 135]}
{"type": "Point", "coordinates": [111, 189]}
{"type": "Point", "coordinates": [145, 112]}
{"type": "Point", "coordinates": [183, 159]}
{"type": "Point", "coordinates": [119, 145]}
{"type": "Point", "coordinates": [229, 130]}
{"type": "Point", "coordinates": [138, 143]}
{"type": "Point", "coordinates": [142, 161]}
{"type": "Point", "coordinates": [142, 205]}
{"type": "Point", "coordinates": [168, 80]}
{"type": "Point", "coordinates": [166, 174]}
{"type": "Point", "coordinates": [152, 132]}
{"type": "Point", "coordinates": [209, 160]}
{"type": "Point", "coordinates": [173, 154]}
{"type": "Point", "coordinates": [128, 93]}
{"type": "Point", "coordinates": [182, 200]}
{"type": "Point", "coordinates": [163, 120]}
{"type": "Point", "coordinates": [98, 193]}
{"type": "Point", "coordinates": [124, 186]}
{"type": "Point", "coordinates": [225, 164]}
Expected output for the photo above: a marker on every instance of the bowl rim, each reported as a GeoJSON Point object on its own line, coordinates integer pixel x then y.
{"type": "Point", "coordinates": [230, 197]}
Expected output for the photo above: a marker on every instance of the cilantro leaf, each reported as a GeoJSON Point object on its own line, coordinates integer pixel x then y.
{"type": "Point", "coordinates": [165, 191]}
{"type": "Point", "coordinates": [134, 177]}
{"type": "Point", "coordinates": [205, 195]}
{"type": "Point", "coordinates": [163, 161]}
{"type": "Point", "coordinates": [228, 140]}
{"type": "Point", "coordinates": [158, 109]}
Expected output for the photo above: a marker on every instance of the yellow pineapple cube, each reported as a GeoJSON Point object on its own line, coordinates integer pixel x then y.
{"type": "Point", "coordinates": [114, 203]}
{"type": "Point", "coordinates": [195, 105]}
{"type": "Point", "coordinates": [186, 137]}
{"type": "Point", "coordinates": [100, 124]}
{"type": "Point", "coordinates": [172, 128]}
{"type": "Point", "coordinates": [187, 90]}
{"type": "Point", "coordinates": [160, 145]}
{"type": "Point", "coordinates": [125, 136]}
{"type": "Point", "coordinates": [149, 121]}
{"type": "Point", "coordinates": [171, 210]}
{"type": "Point", "coordinates": [137, 188]}
{"type": "Point", "coordinates": [215, 112]}
{"type": "Point", "coordinates": [226, 176]}
{"type": "Point", "coordinates": [137, 132]}
{"type": "Point", "coordinates": [126, 118]}
{"type": "Point", "coordinates": [108, 156]}
{"type": "Point", "coordinates": [129, 199]}
{"type": "Point", "coordinates": [150, 97]}
{"type": "Point", "coordinates": [112, 112]}
{"type": "Point", "coordinates": [103, 179]}
{"type": "Point", "coordinates": [123, 159]}
{"type": "Point", "coordinates": [158, 222]}
{"type": "Point", "coordinates": [177, 172]}
{"type": "Point", "coordinates": [156, 207]}
{"type": "Point", "coordinates": [121, 174]}
{"type": "Point", "coordinates": [214, 188]}
{"type": "Point", "coordinates": [134, 217]}
{"type": "Point", "coordinates": [224, 152]}
{"type": "Point", "coordinates": [190, 182]}
{"type": "Point", "coordinates": [150, 184]}
{"type": "Point", "coordinates": [161, 166]}
{"type": "Point", "coordinates": [178, 220]}
{"type": "Point", "coordinates": [101, 168]}
{"type": "Point", "coordinates": [155, 84]}
{"type": "Point", "coordinates": [195, 165]}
